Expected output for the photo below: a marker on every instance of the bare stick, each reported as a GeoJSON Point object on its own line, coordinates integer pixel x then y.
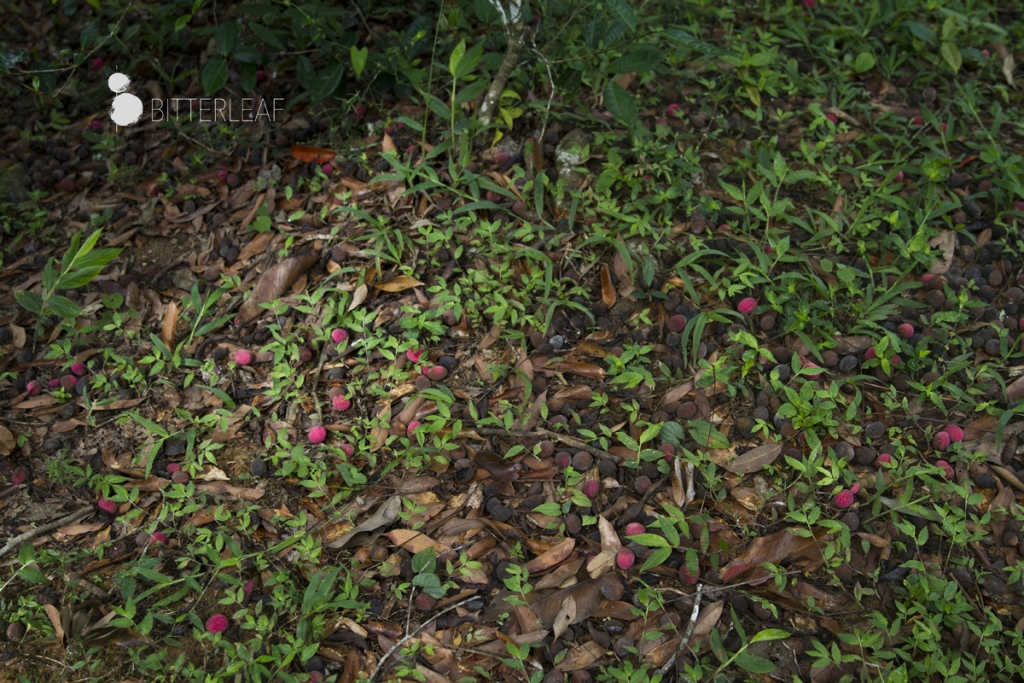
{"type": "Point", "coordinates": [412, 635]}
{"type": "Point", "coordinates": [511, 12]}
{"type": "Point", "coordinates": [46, 528]}
{"type": "Point", "coordinates": [564, 438]}
{"type": "Point", "coordinates": [689, 632]}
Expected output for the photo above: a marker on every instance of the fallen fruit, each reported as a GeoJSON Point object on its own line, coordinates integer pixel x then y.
{"type": "Point", "coordinates": [843, 499]}
{"type": "Point", "coordinates": [941, 440]}
{"type": "Point", "coordinates": [435, 373]}
{"type": "Point", "coordinates": [243, 356]}
{"type": "Point", "coordinates": [625, 558]}
{"type": "Point", "coordinates": [747, 306]}
{"type": "Point", "coordinates": [563, 459]}
{"type": "Point", "coordinates": [947, 469]}
{"type": "Point", "coordinates": [108, 506]}
{"type": "Point", "coordinates": [425, 602]}
{"type": "Point", "coordinates": [317, 434]}
{"type": "Point", "coordinates": [956, 434]}
{"type": "Point", "coordinates": [635, 529]}
{"type": "Point", "coordinates": [591, 489]}
{"type": "Point", "coordinates": [676, 323]}
{"type": "Point", "coordinates": [906, 330]}
{"type": "Point", "coordinates": [79, 369]}
{"type": "Point", "coordinates": [832, 117]}
{"type": "Point", "coordinates": [218, 623]}
{"type": "Point", "coordinates": [341, 404]}
{"type": "Point", "coordinates": [412, 427]}
{"type": "Point", "coordinates": [883, 459]}
{"type": "Point", "coordinates": [34, 387]}
{"type": "Point", "coordinates": [338, 335]}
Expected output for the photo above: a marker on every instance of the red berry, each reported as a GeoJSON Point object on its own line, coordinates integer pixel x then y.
{"type": "Point", "coordinates": [625, 558]}
{"type": "Point", "coordinates": [412, 355]}
{"type": "Point", "coordinates": [97, 63]}
{"type": "Point", "coordinates": [218, 623]}
{"type": "Point", "coordinates": [338, 335]}
{"type": "Point", "coordinates": [985, 52]}
{"type": "Point", "coordinates": [249, 587]}
{"type": "Point", "coordinates": [686, 577]}
{"type": "Point", "coordinates": [661, 122]}
{"type": "Point", "coordinates": [243, 356]}
{"type": "Point", "coordinates": [563, 459]}
{"type": "Point", "coordinates": [947, 469]}
{"type": "Point", "coordinates": [899, 177]}
{"type": "Point", "coordinates": [173, 467]}
{"type": "Point", "coordinates": [843, 499]}
{"type": "Point", "coordinates": [501, 158]}
{"type": "Point", "coordinates": [159, 537]}
{"type": "Point", "coordinates": [68, 382]}
{"type": "Point", "coordinates": [222, 175]}
{"type": "Point", "coordinates": [918, 120]}
{"type": "Point", "coordinates": [677, 323]}
{"type": "Point", "coordinates": [233, 180]}
{"type": "Point", "coordinates": [341, 404]}
{"type": "Point", "coordinates": [635, 529]}
{"type": "Point", "coordinates": [591, 489]}
{"type": "Point", "coordinates": [906, 330]}
{"type": "Point", "coordinates": [884, 458]}
{"type": "Point", "coordinates": [641, 484]}
{"type": "Point", "coordinates": [348, 449]}
{"type": "Point", "coordinates": [413, 426]}
{"type": "Point", "coordinates": [54, 383]}
{"type": "Point", "coordinates": [317, 434]}
{"type": "Point", "coordinates": [436, 373]}
{"type": "Point", "coordinates": [832, 117]}
{"type": "Point", "coordinates": [870, 354]}
{"type": "Point", "coordinates": [673, 109]}
{"type": "Point", "coordinates": [34, 387]}
{"type": "Point", "coordinates": [327, 169]}
{"type": "Point", "coordinates": [261, 76]}
{"type": "Point", "coordinates": [108, 506]}
{"type": "Point", "coordinates": [425, 602]}
{"type": "Point", "coordinates": [19, 475]}
{"type": "Point", "coordinates": [493, 196]}
{"type": "Point", "coordinates": [305, 354]}
{"type": "Point", "coordinates": [955, 433]}
{"type": "Point", "coordinates": [747, 306]}
{"type": "Point", "coordinates": [361, 110]}
{"type": "Point", "coordinates": [941, 440]}
{"type": "Point", "coordinates": [79, 369]}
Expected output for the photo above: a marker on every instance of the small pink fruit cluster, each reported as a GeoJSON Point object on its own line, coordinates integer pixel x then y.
{"type": "Point", "coordinates": [844, 498]}
{"type": "Point", "coordinates": [950, 435]}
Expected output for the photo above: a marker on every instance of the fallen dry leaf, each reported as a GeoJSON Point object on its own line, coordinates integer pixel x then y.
{"type": "Point", "coordinates": [7, 441]}
{"type": "Point", "coordinates": [275, 282]}
{"type": "Point", "coordinates": [385, 515]}
{"type": "Point", "coordinates": [566, 615]}
{"type": "Point", "coordinates": [552, 557]}
{"type": "Point", "coordinates": [608, 294]}
{"type": "Point", "coordinates": [754, 459]}
{"type": "Point", "coordinates": [398, 284]}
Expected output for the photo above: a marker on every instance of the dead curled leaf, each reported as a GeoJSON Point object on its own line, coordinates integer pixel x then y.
{"type": "Point", "coordinates": [551, 558]}
{"type": "Point", "coordinates": [274, 283]}
{"type": "Point", "coordinates": [385, 515]}
{"type": "Point", "coordinates": [565, 616]}
{"type": "Point", "coordinates": [782, 546]}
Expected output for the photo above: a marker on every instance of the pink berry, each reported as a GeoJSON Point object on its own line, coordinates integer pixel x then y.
{"type": "Point", "coordinates": [906, 330]}
{"type": "Point", "coordinates": [436, 373]}
{"type": "Point", "coordinates": [222, 175]}
{"type": "Point", "coordinates": [348, 449]}
{"type": "Point", "coordinates": [243, 356]}
{"type": "Point", "coordinates": [338, 335]}
{"type": "Point", "coordinates": [563, 459]}
{"type": "Point", "coordinates": [249, 587]}
{"type": "Point", "coordinates": [676, 323]}
{"type": "Point", "coordinates": [159, 537]}
{"type": "Point", "coordinates": [810, 364]}
{"type": "Point", "coordinates": [661, 122]}
{"type": "Point", "coordinates": [896, 360]}
{"type": "Point", "coordinates": [305, 354]}
{"type": "Point", "coordinates": [53, 383]}
{"type": "Point", "coordinates": [883, 459]}
{"type": "Point", "coordinates": [413, 426]}
{"type": "Point", "coordinates": [97, 63]}
{"type": "Point", "coordinates": [218, 623]}
{"type": "Point", "coordinates": [361, 110]}
{"type": "Point", "coordinates": [673, 109]}
{"type": "Point", "coordinates": [870, 354]}
{"type": "Point", "coordinates": [943, 126]}
{"type": "Point", "coordinates": [985, 52]}
{"type": "Point", "coordinates": [68, 382]}
{"type": "Point", "coordinates": [327, 169]}
{"type": "Point", "coordinates": [947, 469]}
{"type": "Point", "coordinates": [261, 76]}
{"type": "Point", "coordinates": [34, 387]}
{"type": "Point", "coordinates": [173, 467]}
{"type": "Point", "coordinates": [855, 489]}
{"type": "Point", "coordinates": [412, 355]}
{"type": "Point", "coordinates": [591, 489]}
{"type": "Point", "coordinates": [341, 404]}
{"type": "Point", "coordinates": [108, 506]}
{"type": "Point", "coordinates": [1019, 206]}
{"type": "Point", "coordinates": [747, 306]}
{"type": "Point", "coordinates": [668, 449]}
{"type": "Point", "coordinates": [843, 499]}
{"type": "Point", "coordinates": [635, 529]}
{"type": "Point", "coordinates": [625, 558]}
{"type": "Point", "coordinates": [941, 440]}
{"type": "Point", "coordinates": [899, 177]}
{"type": "Point", "coordinates": [918, 120]}
{"type": "Point", "coordinates": [501, 158]}
{"type": "Point", "coordinates": [686, 577]}
{"type": "Point", "coordinates": [316, 677]}
{"type": "Point", "coordinates": [19, 475]}
{"type": "Point", "coordinates": [832, 117]}
{"type": "Point", "coordinates": [809, 4]}
{"type": "Point", "coordinates": [956, 434]}
{"type": "Point", "coordinates": [926, 278]}
{"type": "Point", "coordinates": [95, 125]}
{"type": "Point", "coordinates": [79, 369]}
{"type": "Point", "coordinates": [317, 434]}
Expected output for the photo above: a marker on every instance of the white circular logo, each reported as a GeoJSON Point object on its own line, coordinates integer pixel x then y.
{"type": "Point", "coordinates": [127, 108]}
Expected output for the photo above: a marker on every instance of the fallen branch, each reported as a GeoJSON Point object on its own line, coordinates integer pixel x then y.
{"type": "Point", "coordinates": [686, 636]}
{"type": "Point", "coordinates": [46, 528]}
{"type": "Point", "coordinates": [412, 635]}
{"type": "Point", "coordinates": [555, 436]}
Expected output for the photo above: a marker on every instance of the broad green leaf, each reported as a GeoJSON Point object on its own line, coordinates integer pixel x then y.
{"type": "Point", "coordinates": [656, 558]}
{"type": "Point", "coordinates": [650, 540]}
{"type": "Point", "coordinates": [65, 307]}
{"type": "Point", "coordinates": [326, 82]}
{"type": "Point", "coordinates": [922, 32]}
{"type": "Point", "coordinates": [469, 61]}
{"type": "Point", "coordinates": [266, 35]}
{"type": "Point", "coordinates": [457, 54]}
{"type": "Point", "coordinates": [319, 590]}
{"type": "Point", "coordinates": [706, 435]}
{"type": "Point", "coordinates": [149, 424]}
{"type": "Point", "coordinates": [950, 27]}
{"type": "Point", "coordinates": [770, 634]}
{"type": "Point", "coordinates": [358, 57]}
{"type": "Point", "coordinates": [182, 22]}
{"type": "Point", "coordinates": [29, 301]}
{"type": "Point", "coordinates": [620, 104]}
{"type": "Point", "coordinates": [424, 560]}
{"type": "Point", "coordinates": [621, 10]}
{"type": "Point", "coordinates": [226, 35]}
{"type": "Point", "coordinates": [758, 665]}
{"type": "Point", "coordinates": [549, 509]}
{"type": "Point", "coordinates": [642, 59]}
{"type": "Point", "coordinates": [471, 92]}
{"type": "Point", "coordinates": [672, 432]}
{"type": "Point", "coordinates": [951, 54]}
{"type": "Point", "coordinates": [865, 62]}
{"type": "Point", "coordinates": [214, 74]}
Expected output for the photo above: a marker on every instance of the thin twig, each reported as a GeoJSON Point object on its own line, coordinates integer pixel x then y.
{"type": "Point", "coordinates": [412, 635]}
{"type": "Point", "coordinates": [564, 438]}
{"type": "Point", "coordinates": [689, 632]}
{"type": "Point", "coordinates": [46, 528]}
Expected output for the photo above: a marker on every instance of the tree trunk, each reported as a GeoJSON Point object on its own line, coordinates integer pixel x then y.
{"type": "Point", "coordinates": [511, 12]}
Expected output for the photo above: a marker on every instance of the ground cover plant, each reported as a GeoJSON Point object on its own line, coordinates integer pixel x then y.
{"type": "Point", "coordinates": [575, 341]}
